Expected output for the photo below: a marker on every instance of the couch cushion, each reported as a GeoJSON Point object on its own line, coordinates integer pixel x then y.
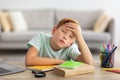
{"type": "Point", "coordinates": [5, 23]}
{"type": "Point", "coordinates": [102, 22]}
{"type": "Point", "coordinates": [39, 19]}
{"type": "Point", "coordinates": [18, 21]}
{"type": "Point", "coordinates": [91, 36]}
{"type": "Point", "coordinates": [18, 36]}
{"type": "Point", "coordinates": [85, 18]}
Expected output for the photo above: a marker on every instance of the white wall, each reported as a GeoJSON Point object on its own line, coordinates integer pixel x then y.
{"type": "Point", "coordinates": [112, 6]}
{"type": "Point", "coordinates": [63, 4]}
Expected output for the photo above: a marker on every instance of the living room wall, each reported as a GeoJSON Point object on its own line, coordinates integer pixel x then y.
{"type": "Point", "coordinates": [109, 5]}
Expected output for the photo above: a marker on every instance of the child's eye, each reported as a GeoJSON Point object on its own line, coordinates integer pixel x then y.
{"type": "Point", "coordinates": [71, 37]}
{"type": "Point", "coordinates": [63, 31]}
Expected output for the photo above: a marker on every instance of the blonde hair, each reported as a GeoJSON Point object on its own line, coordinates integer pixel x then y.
{"type": "Point", "coordinates": [66, 20]}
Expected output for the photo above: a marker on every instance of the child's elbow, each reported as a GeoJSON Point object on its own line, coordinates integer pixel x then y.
{"type": "Point", "coordinates": [91, 63]}
{"type": "Point", "coordinates": [27, 62]}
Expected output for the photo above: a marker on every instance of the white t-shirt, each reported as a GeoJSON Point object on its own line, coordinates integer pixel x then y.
{"type": "Point", "coordinates": [41, 43]}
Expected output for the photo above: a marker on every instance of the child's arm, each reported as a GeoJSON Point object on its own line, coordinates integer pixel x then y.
{"type": "Point", "coordinates": [86, 55]}
{"type": "Point", "coordinates": [32, 58]}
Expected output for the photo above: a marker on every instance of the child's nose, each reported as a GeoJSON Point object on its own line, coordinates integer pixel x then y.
{"type": "Point", "coordinates": [65, 37]}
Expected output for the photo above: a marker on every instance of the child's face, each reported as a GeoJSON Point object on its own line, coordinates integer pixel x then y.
{"type": "Point", "coordinates": [62, 37]}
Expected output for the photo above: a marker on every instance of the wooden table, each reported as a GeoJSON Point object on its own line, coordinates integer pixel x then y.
{"type": "Point", "coordinates": [99, 74]}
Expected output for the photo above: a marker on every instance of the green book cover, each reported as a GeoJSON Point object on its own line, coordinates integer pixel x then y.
{"type": "Point", "coordinates": [70, 64]}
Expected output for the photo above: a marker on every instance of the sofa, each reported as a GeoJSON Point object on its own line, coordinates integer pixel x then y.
{"type": "Point", "coordinates": [43, 20]}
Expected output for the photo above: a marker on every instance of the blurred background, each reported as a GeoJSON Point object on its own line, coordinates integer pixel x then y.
{"type": "Point", "coordinates": [111, 6]}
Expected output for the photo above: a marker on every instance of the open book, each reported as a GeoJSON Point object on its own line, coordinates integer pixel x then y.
{"type": "Point", "coordinates": [41, 68]}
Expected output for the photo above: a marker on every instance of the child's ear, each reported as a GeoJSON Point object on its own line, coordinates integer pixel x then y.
{"type": "Point", "coordinates": [54, 29]}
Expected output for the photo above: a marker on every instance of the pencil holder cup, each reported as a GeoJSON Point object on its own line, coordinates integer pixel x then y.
{"type": "Point", "coordinates": [107, 60]}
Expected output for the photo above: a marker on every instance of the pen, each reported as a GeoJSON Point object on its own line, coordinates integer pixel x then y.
{"type": "Point", "coordinates": [108, 47]}
{"type": "Point", "coordinates": [113, 46]}
{"type": "Point", "coordinates": [112, 51]}
{"type": "Point", "coordinates": [111, 68]}
{"type": "Point", "coordinates": [102, 49]}
{"type": "Point", "coordinates": [104, 46]}
{"type": "Point", "coordinates": [105, 60]}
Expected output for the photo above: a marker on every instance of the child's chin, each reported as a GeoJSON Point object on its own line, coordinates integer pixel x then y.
{"type": "Point", "coordinates": [61, 46]}
{"type": "Point", "coordinates": [64, 46]}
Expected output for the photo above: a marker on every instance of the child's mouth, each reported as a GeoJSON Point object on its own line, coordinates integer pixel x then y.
{"type": "Point", "coordinates": [62, 41]}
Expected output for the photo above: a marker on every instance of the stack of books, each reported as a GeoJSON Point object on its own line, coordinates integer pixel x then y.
{"type": "Point", "coordinates": [71, 68]}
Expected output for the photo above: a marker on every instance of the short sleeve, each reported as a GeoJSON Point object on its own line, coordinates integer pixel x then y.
{"type": "Point", "coordinates": [74, 52]}
{"type": "Point", "coordinates": [36, 41]}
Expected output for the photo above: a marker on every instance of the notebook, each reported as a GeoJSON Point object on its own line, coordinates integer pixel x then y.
{"type": "Point", "coordinates": [6, 68]}
{"type": "Point", "coordinates": [70, 64]}
{"type": "Point", "coordinates": [41, 68]}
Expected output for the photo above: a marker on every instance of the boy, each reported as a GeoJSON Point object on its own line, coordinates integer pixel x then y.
{"type": "Point", "coordinates": [60, 46]}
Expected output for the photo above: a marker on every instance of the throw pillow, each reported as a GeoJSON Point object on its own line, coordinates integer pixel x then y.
{"type": "Point", "coordinates": [5, 22]}
{"type": "Point", "coordinates": [102, 23]}
{"type": "Point", "coordinates": [17, 20]}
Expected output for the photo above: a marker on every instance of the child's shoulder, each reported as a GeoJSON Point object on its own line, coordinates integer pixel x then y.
{"type": "Point", "coordinates": [43, 34]}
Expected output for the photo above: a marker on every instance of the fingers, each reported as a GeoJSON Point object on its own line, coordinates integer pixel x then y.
{"type": "Point", "coordinates": [75, 28]}
{"type": "Point", "coordinates": [70, 28]}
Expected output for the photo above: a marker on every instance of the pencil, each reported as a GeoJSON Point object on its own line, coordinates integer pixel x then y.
{"type": "Point", "coordinates": [111, 68]}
